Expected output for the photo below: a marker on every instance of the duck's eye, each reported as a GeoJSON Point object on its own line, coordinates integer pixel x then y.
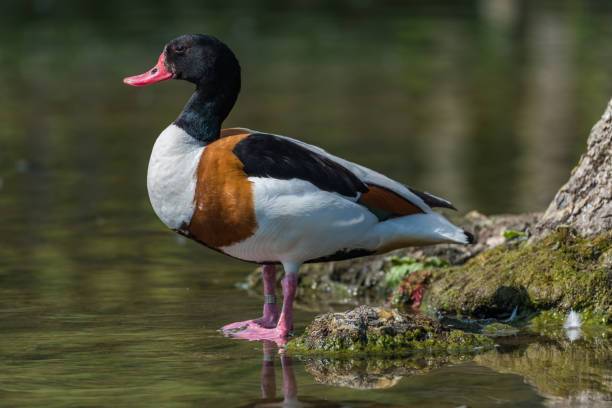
{"type": "Point", "coordinates": [179, 48]}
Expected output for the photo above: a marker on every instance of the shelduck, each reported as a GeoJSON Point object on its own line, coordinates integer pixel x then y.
{"type": "Point", "coordinates": [266, 198]}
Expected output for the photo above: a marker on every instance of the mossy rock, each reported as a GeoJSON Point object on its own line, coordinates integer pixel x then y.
{"type": "Point", "coordinates": [381, 330]}
{"type": "Point", "coordinates": [559, 272]}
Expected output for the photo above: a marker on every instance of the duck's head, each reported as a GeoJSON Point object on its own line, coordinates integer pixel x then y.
{"type": "Point", "coordinates": [197, 58]}
{"type": "Point", "coordinates": [212, 67]}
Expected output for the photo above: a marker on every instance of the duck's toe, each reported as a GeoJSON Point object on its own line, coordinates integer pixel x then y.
{"type": "Point", "coordinates": [279, 334]}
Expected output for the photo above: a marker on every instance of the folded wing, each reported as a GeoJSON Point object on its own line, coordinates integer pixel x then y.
{"type": "Point", "coordinates": [266, 155]}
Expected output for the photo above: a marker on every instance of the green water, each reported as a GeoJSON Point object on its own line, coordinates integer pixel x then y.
{"type": "Point", "coordinates": [100, 305]}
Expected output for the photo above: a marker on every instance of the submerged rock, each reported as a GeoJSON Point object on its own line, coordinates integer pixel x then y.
{"type": "Point", "coordinates": [369, 329]}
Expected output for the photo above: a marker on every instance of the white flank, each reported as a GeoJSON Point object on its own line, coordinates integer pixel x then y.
{"type": "Point", "coordinates": [298, 222]}
{"type": "Point", "coordinates": [171, 177]}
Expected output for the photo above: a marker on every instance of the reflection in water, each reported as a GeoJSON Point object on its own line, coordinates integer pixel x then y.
{"type": "Point", "coordinates": [363, 374]}
{"type": "Point", "coordinates": [289, 383]}
{"type": "Point", "coordinates": [573, 325]}
{"type": "Point", "coordinates": [565, 373]}
{"type": "Point", "coordinates": [573, 333]}
{"type": "Point", "coordinates": [560, 370]}
{"type": "Point", "coordinates": [268, 378]}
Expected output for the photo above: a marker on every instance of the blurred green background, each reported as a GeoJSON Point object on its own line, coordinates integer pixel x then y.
{"type": "Point", "coordinates": [487, 103]}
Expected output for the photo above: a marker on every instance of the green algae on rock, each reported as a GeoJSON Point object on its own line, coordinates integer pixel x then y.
{"type": "Point", "coordinates": [404, 266]}
{"type": "Point", "coordinates": [561, 271]}
{"type": "Point", "coordinates": [408, 278]}
{"type": "Point", "coordinates": [367, 329]}
{"type": "Point", "coordinates": [409, 291]}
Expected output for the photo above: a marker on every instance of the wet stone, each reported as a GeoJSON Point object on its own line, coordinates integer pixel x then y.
{"type": "Point", "coordinates": [367, 329]}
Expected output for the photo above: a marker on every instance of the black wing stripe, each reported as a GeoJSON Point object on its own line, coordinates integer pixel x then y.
{"type": "Point", "coordinates": [265, 155]}
{"type": "Point", "coordinates": [431, 200]}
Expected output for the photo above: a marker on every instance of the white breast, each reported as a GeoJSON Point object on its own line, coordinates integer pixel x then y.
{"type": "Point", "coordinates": [171, 179]}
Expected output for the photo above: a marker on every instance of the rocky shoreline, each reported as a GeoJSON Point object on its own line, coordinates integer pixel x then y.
{"type": "Point", "coordinates": [504, 272]}
{"type": "Point", "coordinates": [522, 278]}
{"type": "Point", "coordinates": [521, 265]}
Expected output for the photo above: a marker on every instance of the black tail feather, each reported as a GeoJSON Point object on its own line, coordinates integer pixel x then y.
{"type": "Point", "coordinates": [470, 237]}
{"type": "Point", "coordinates": [433, 201]}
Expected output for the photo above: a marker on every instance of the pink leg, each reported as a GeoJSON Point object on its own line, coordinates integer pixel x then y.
{"type": "Point", "coordinates": [285, 323]}
{"type": "Point", "coordinates": [270, 310]}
